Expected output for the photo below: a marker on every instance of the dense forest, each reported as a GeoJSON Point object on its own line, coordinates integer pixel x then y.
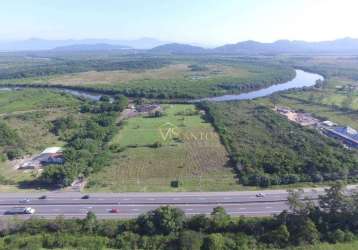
{"type": "Point", "coordinates": [332, 219]}
{"type": "Point", "coordinates": [267, 149]}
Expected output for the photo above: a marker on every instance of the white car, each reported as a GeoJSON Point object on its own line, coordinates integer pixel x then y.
{"type": "Point", "coordinates": [29, 210]}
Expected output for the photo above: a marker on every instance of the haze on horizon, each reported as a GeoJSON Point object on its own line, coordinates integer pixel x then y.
{"type": "Point", "coordinates": [202, 21]}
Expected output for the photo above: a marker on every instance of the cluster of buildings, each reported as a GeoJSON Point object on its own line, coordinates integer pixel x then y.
{"type": "Point", "coordinates": [301, 118]}
{"type": "Point", "coordinates": [148, 108]}
{"type": "Point", "coordinates": [347, 135]}
{"type": "Point", "coordinates": [53, 155]}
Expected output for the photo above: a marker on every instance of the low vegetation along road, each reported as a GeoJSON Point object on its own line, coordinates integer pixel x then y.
{"type": "Point", "coordinates": [125, 205]}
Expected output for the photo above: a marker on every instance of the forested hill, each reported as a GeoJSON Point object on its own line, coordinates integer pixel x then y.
{"type": "Point", "coordinates": [177, 48]}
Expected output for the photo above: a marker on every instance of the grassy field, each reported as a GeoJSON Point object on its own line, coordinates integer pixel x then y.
{"type": "Point", "coordinates": [30, 113]}
{"type": "Point", "coordinates": [174, 71]}
{"type": "Point", "coordinates": [193, 155]}
{"type": "Point", "coordinates": [34, 99]}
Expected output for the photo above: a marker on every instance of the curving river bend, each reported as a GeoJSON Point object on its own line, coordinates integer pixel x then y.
{"type": "Point", "coordinates": [302, 79]}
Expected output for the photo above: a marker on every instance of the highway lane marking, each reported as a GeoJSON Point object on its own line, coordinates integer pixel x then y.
{"type": "Point", "coordinates": [152, 205]}
{"type": "Point", "coordinates": [136, 214]}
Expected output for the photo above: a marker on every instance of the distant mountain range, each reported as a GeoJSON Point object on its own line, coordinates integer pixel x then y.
{"type": "Point", "coordinates": [43, 44]}
{"type": "Point", "coordinates": [178, 48]}
{"type": "Point", "coordinates": [345, 45]}
{"type": "Point", "coordinates": [151, 45]}
{"type": "Point", "coordinates": [92, 47]}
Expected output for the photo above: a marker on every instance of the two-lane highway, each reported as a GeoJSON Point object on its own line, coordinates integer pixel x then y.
{"type": "Point", "coordinates": [129, 205]}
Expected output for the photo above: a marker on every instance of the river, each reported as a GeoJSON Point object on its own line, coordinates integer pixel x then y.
{"type": "Point", "coordinates": [301, 80]}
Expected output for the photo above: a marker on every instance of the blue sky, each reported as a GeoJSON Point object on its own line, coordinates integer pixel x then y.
{"type": "Point", "coordinates": [202, 21]}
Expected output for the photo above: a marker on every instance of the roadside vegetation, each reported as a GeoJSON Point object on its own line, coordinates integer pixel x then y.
{"type": "Point", "coordinates": [329, 224]}
{"type": "Point", "coordinates": [268, 150]}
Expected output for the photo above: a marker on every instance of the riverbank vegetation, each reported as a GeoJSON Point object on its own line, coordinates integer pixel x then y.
{"type": "Point", "coordinates": [267, 149]}
{"type": "Point", "coordinates": [161, 77]}
{"type": "Point", "coordinates": [331, 222]}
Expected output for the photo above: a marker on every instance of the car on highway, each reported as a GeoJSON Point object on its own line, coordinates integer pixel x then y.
{"type": "Point", "coordinates": [260, 195]}
{"type": "Point", "coordinates": [114, 211]}
{"type": "Point", "coordinates": [21, 210]}
{"type": "Point", "coordinates": [85, 197]}
{"type": "Point", "coordinates": [43, 197]}
{"type": "Point", "coordinates": [24, 201]}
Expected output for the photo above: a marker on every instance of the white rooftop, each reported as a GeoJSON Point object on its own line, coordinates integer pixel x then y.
{"type": "Point", "coordinates": [52, 150]}
{"type": "Point", "coordinates": [351, 131]}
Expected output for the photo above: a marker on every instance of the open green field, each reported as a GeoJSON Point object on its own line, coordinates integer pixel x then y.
{"type": "Point", "coordinates": [150, 159]}
{"type": "Point", "coordinates": [33, 99]}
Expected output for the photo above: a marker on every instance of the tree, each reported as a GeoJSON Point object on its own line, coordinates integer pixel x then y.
{"type": "Point", "coordinates": [163, 220]}
{"type": "Point", "coordinates": [219, 218]}
{"type": "Point", "coordinates": [199, 223]}
{"type": "Point", "coordinates": [214, 242]}
{"type": "Point", "coordinates": [337, 236]}
{"type": "Point", "coordinates": [279, 236]}
{"type": "Point", "coordinates": [90, 222]}
{"type": "Point", "coordinates": [105, 98]}
{"type": "Point", "coordinates": [297, 204]}
{"type": "Point", "coordinates": [307, 233]}
{"type": "Point", "coordinates": [334, 201]}
{"type": "Point", "coordinates": [168, 219]}
{"type": "Point", "coordinates": [190, 240]}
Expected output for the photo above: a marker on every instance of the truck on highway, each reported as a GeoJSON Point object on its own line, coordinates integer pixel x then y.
{"type": "Point", "coordinates": [21, 210]}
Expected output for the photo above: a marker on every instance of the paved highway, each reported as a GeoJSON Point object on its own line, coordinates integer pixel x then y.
{"type": "Point", "coordinates": [129, 205]}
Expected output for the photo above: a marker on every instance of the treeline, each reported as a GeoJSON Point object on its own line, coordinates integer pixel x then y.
{"type": "Point", "coordinates": [333, 219]}
{"type": "Point", "coordinates": [87, 149]}
{"type": "Point", "coordinates": [11, 145]}
{"type": "Point", "coordinates": [266, 149]}
{"type": "Point", "coordinates": [63, 66]}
